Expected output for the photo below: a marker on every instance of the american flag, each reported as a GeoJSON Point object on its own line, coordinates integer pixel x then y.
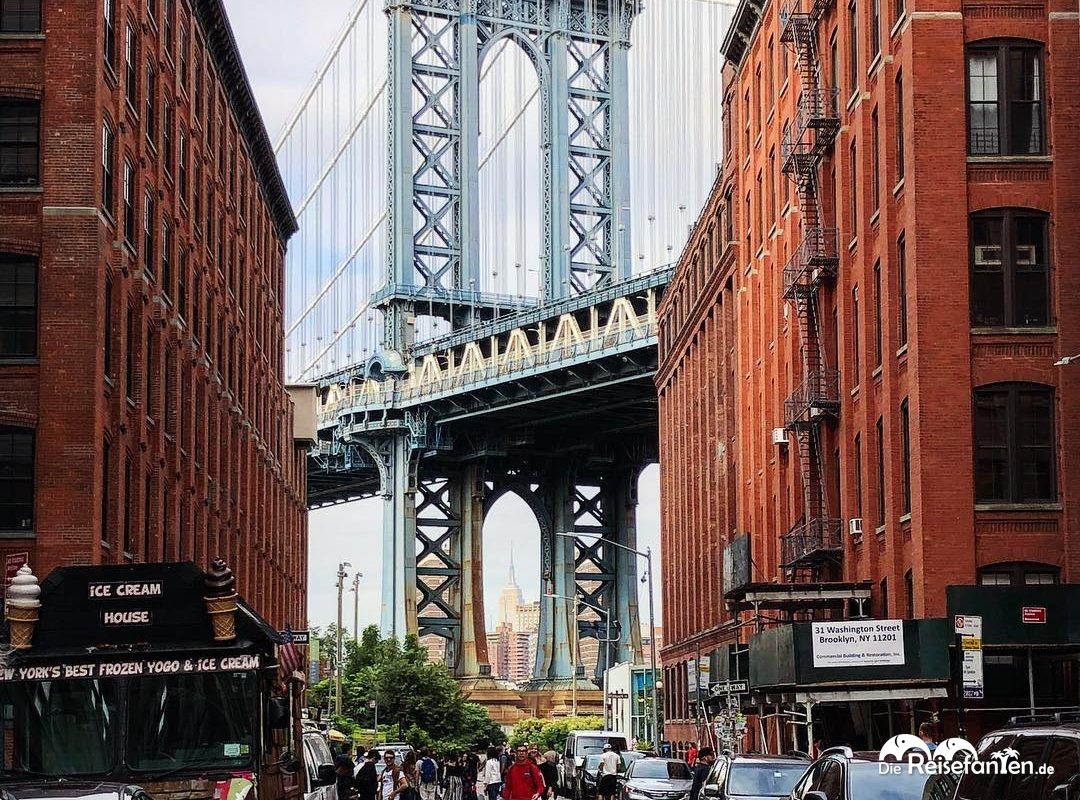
{"type": "Point", "coordinates": [290, 659]}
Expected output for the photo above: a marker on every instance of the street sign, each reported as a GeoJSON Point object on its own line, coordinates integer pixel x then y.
{"type": "Point", "coordinates": [966, 625]}
{"type": "Point", "coordinates": [299, 637]}
{"type": "Point", "coordinates": [371, 704]}
{"type": "Point", "coordinates": [1033, 615]}
{"type": "Point", "coordinates": [730, 687]}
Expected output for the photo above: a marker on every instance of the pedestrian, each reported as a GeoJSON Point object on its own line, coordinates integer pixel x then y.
{"type": "Point", "coordinates": [410, 773]}
{"type": "Point", "coordinates": [472, 769]}
{"type": "Point", "coordinates": [705, 760]}
{"type": "Point", "coordinates": [343, 772]}
{"type": "Point", "coordinates": [550, 773]}
{"type": "Point", "coordinates": [454, 788]}
{"type": "Point", "coordinates": [926, 733]}
{"type": "Point", "coordinates": [393, 783]}
{"type": "Point", "coordinates": [523, 780]}
{"type": "Point", "coordinates": [491, 774]}
{"type": "Point", "coordinates": [692, 755]}
{"type": "Point", "coordinates": [428, 769]}
{"type": "Point", "coordinates": [610, 768]}
{"type": "Point", "coordinates": [367, 778]}
{"type": "Point", "coordinates": [505, 761]}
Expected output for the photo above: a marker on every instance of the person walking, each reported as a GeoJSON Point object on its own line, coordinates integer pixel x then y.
{"type": "Point", "coordinates": [523, 779]}
{"type": "Point", "coordinates": [393, 783]}
{"type": "Point", "coordinates": [610, 768]}
{"type": "Point", "coordinates": [706, 757]}
{"type": "Point", "coordinates": [428, 770]}
{"type": "Point", "coordinates": [367, 777]}
{"type": "Point", "coordinates": [344, 768]}
{"type": "Point", "coordinates": [491, 774]}
{"type": "Point", "coordinates": [454, 779]}
{"type": "Point", "coordinates": [692, 755]}
{"type": "Point", "coordinates": [550, 773]}
{"type": "Point", "coordinates": [472, 769]}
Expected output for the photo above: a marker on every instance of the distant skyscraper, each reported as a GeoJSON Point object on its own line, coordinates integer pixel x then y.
{"type": "Point", "coordinates": [510, 598]}
{"type": "Point", "coordinates": [512, 645]}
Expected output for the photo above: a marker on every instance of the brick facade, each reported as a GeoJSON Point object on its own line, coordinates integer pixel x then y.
{"type": "Point", "coordinates": [730, 349]}
{"type": "Point", "coordinates": [162, 428]}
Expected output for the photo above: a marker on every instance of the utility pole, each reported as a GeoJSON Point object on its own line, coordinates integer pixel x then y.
{"type": "Point", "coordinates": [652, 653]}
{"type": "Point", "coordinates": [341, 575]}
{"type": "Point", "coordinates": [356, 606]}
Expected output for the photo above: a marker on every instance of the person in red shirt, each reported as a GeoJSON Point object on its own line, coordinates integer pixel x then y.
{"type": "Point", "coordinates": [691, 755]}
{"type": "Point", "coordinates": [523, 780]}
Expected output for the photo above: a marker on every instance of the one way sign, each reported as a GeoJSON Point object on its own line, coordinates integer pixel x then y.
{"type": "Point", "coordinates": [730, 687]}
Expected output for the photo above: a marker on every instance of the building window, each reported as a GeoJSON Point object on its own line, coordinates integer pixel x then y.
{"type": "Point", "coordinates": [149, 224]}
{"type": "Point", "coordinates": [885, 598]}
{"type": "Point", "coordinates": [1014, 444]}
{"type": "Point", "coordinates": [877, 315]}
{"type": "Point", "coordinates": [875, 160]}
{"type": "Point", "coordinates": [898, 10]}
{"type": "Point", "coordinates": [106, 476]}
{"type": "Point", "coordinates": [181, 284]}
{"type": "Point", "coordinates": [909, 594]}
{"type": "Point", "coordinates": [853, 189]}
{"type": "Point", "coordinates": [1005, 99]}
{"type": "Point", "coordinates": [18, 306]}
{"type": "Point", "coordinates": [880, 472]}
{"type": "Point", "coordinates": [853, 46]}
{"type": "Point", "coordinates": [770, 59]}
{"type": "Point", "coordinates": [126, 506]}
{"type": "Point", "coordinates": [166, 257]}
{"type": "Point", "coordinates": [905, 456]}
{"type": "Point", "coordinates": [901, 289]}
{"type": "Point", "coordinates": [129, 347]}
{"type": "Point", "coordinates": [16, 478]}
{"type": "Point", "coordinates": [875, 29]}
{"type": "Point", "coordinates": [129, 204]}
{"type": "Point", "coordinates": [20, 16]}
{"type": "Point", "coordinates": [108, 328]}
{"type": "Point", "coordinates": [151, 105]}
{"type": "Point", "coordinates": [168, 16]}
{"type": "Point", "coordinates": [858, 476]}
{"type": "Point", "coordinates": [834, 70]}
{"type": "Point", "coordinates": [131, 77]}
{"type": "Point", "coordinates": [148, 490]}
{"type": "Point", "coordinates": [182, 163]}
{"type": "Point", "coordinates": [19, 142]}
{"type": "Point", "coordinates": [108, 168]}
{"type": "Point", "coordinates": [182, 67]}
{"type": "Point", "coordinates": [1010, 275]}
{"type": "Point", "coordinates": [900, 127]}
{"type": "Point", "coordinates": [856, 338]}
{"type": "Point", "coordinates": [167, 135]}
{"type": "Point", "coordinates": [109, 41]}
{"type": "Point", "coordinates": [1019, 574]}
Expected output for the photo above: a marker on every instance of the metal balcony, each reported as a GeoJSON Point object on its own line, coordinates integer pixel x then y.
{"type": "Point", "coordinates": [812, 131]}
{"type": "Point", "coordinates": [813, 540]}
{"type": "Point", "coordinates": [814, 400]}
{"type": "Point", "coordinates": [814, 261]}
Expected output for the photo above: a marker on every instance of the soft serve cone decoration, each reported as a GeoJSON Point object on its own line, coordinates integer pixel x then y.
{"type": "Point", "coordinates": [221, 600]}
{"type": "Point", "coordinates": [22, 607]}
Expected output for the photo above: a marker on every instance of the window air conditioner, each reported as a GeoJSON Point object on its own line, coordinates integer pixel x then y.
{"type": "Point", "coordinates": [855, 526]}
{"type": "Point", "coordinates": [987, 255]}
{"type": "Point", "coordinates": [779, 436]}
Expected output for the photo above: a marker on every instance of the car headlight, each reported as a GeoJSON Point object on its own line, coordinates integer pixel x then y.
{"type": "Point", "coordinates": [636, 794]}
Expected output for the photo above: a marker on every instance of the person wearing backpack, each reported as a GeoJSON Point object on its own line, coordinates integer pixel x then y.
{"type": "Point", "coordinates": [523, 780]}
{"type": "Point", "coordinates": [428, 770]}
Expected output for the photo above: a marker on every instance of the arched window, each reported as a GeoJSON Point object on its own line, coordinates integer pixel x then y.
{"type": "Point", "coordinates": [1010, 270]}
{"type": "Point", "coordinates": [1014, 444]}
{"type": "Point", "coordinates": [1019, 573]}
{"type": "Point", "coordinates": [1005, 98]}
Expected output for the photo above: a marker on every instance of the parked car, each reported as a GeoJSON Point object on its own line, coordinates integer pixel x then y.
{"type": "Point", "coordinates": [319, 763]}
{"type": "Point", "coordinates": [68, 790]}
{"type": "Point", "coordinates": [754, 776]}
{"type": "Point", "coordinates": [586, 789]}
{"type": "Point", "coordinates": [1053, 740]}
{"type": "Point", "coordinates": [579, 745]}
{"type": "Point", "coordinates": [657, 779]}
{"type": "Point", "coordinates": [840, 774]}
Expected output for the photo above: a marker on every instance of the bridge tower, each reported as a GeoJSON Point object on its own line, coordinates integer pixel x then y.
{"type": "Point", "coordinates": [434, 508]}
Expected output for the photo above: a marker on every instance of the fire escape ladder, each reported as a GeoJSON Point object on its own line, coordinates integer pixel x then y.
{"type": "Point", "coordinates": [815, 540]}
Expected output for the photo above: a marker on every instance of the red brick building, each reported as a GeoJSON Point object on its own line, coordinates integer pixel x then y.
{"type": "Point", "coordinates": [143, 225]}
{"type": "Point", "coordinates": [858, 349]}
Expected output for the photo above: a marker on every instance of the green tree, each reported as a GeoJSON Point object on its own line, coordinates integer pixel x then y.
{"type": "Point", "coordinates": [552, 734]}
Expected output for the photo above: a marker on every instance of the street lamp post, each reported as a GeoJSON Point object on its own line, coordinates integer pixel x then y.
{"type": "Point", "coordinates": [647, 555]}
{"type": "Point", "coordinates": [341, 575]}
{"type": "Point", "coordinates": [607, 641]}
{"type": "Point", "coordinates": [356, 606]}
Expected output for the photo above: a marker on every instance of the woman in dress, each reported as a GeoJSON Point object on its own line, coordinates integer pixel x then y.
{"type": "Point", "coordinates": [455, 774]}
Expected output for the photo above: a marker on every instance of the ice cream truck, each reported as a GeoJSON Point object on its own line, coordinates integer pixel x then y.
{"type": "Point", "coordinates": [158, 675]}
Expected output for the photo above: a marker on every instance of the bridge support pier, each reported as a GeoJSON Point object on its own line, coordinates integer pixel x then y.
{"type": "Point", "coordinates": [397, 467]}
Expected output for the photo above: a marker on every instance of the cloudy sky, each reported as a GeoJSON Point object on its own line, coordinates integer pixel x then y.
{"type": "Point", "coordinates": [283, 42]}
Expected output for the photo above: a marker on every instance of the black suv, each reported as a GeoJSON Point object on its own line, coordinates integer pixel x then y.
{"type": "Point", "coordinates": [840, 774]}
{"type": "Point", "coordinates": [1052, 740]}
{"type": "Point", "coordinates": [754, 777]}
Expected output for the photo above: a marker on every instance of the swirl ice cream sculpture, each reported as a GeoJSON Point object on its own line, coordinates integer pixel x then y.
{"type": "Point", "coordinates": [22, 607]}
{"type": "Point", "coordinates": [221, 600]}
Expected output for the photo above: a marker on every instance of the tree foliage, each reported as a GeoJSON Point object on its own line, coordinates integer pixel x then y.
{"type": "Point", "coordinates": [418, 695]}
{"type": "Point", "coordinates": [552, 734]}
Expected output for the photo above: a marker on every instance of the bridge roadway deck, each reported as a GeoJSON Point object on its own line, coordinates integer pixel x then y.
{"type": "Point", "coordinates": [570, 380]}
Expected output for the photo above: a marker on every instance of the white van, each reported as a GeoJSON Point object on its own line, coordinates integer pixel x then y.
{"type": "Point", "coordinates": [580, 744]}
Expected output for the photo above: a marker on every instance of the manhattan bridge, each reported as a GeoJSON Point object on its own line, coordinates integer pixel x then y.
{"type": "Point", "coordinates": [492, 195]}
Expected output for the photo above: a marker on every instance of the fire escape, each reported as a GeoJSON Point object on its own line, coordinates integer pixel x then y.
{"type": "Point", "coordinates": [816, 540]}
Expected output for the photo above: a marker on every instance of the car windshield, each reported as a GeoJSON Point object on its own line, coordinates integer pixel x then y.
{"type": "Point", "coordinates": [764, 779]}
{"type": "Point", "coordinates": [197, 721]}
{"type": "Point", "coordinates": [592, 763]}
{"type": "Point", "coordinates": [59, 728]}
{"type": "Point", "coordinates": [660, 770]}
{"type": "Point", "coordinates": [589, 745]}
{"type": "Point", "coordinates": [867, 783]}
